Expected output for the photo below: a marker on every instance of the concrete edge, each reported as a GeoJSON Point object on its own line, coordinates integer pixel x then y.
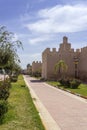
{"type": "Point", "coordinates": [47, 120]}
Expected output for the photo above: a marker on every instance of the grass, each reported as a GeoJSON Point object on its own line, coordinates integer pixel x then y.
{"type": "Point", "coordinates": [82, 89]}
{"type": "Point", "coordinates": [22, 114]}
{"type": "Point", "coordinates": [53, 83]}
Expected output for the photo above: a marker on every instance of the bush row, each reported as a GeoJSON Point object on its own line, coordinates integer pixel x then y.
{"type": "Point", "coordinates": [36, 74]}
{"type": "Point", "coordinates": [68, 83]}
{"type": "Point", "coordinates": [4, 94]}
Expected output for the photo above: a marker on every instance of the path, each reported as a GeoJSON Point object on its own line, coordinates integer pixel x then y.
{"type": "Point", "coordinates": [68, 111]}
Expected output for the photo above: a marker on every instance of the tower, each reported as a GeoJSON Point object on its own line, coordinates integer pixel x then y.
{"type": "Point", "coordinates": [65, 39]}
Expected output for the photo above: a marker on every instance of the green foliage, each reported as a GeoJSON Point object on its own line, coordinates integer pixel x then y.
{"type": "Point", "coordinates": [37, 74]}
{"type": "Point", "coordinates": [61, 68]}
{"type": "Point", "coordinates": [14, 77]}
{"type": "Point", "coordinates": [4, 89]}
{"type": "Point", "coordinates": [75, 83]}
{"type": "Point", "coordinates": [3, 109]}
{"type": "Point", "coordinates": [68, 83]}
{"type": "Point", "coordinates": [8, 49]}
{"type": "Point", "coordinates": [65, 82]}
{"type": "Point", "coordinates": [22, 114]}
{"type": "Point", "coordinates": [4, 94]}
{"type": "Point", "coordinates": [82, 90]}
{"type": "Point", "coordinates": [61, 65]}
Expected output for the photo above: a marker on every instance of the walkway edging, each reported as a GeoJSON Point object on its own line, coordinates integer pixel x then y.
{"type": "Point", "coordinates": [46, 118]}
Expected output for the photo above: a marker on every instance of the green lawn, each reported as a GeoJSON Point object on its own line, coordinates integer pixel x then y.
{"type": "Point", "coordinates": [22, 114]}
{"type": "Point", "coordinates": [82, 89]}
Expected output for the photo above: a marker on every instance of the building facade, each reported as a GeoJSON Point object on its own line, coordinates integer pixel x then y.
{"type": "Point", "coordinates": [29, 69]}
{"type": "Point", "coordinates": [36, 67]}
{"type": "Point", "coordinates": [75, 60]}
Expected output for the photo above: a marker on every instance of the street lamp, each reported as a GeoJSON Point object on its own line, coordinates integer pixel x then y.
{"type": "Point", "coordinates": [76, 61]}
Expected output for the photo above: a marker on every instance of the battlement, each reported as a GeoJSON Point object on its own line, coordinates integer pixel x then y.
{"type": "Point", "coordinates": [84, 49]}
{"type": "Point", "coordinates": [36, 66]}
{"type": "Point", "coordinates": [72, 50]}
{"type": "Point", "coordinates": [36, 62]}
{"type": "Point", "coordinates": [78, 50]}
{"type": "Point", "coordinates": [49, 50]}
{"type": "Point", "coordinates": [65, 39]}
{"type": "Point", "coordinates": [54, 49]}
{"type": "Point", "coordinates": [64, 46]}
{"type": "Point", "coordinates": [70, 55]}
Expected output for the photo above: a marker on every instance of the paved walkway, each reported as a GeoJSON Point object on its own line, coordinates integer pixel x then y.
{"type": "Point", "coordinates": [67, 110]}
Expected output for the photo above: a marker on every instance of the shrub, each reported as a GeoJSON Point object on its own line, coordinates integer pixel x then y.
{"type": "Point", "coordinates": [75, 83]}
{"type": "Point", "coordinates": [4, 93]}
{"type": "Point", "coordinates": [42, 79]}
{"type": "Point", "coordinates": [6, 83]}
{"type": "Point", "coordinates": [37, 74]}
{"type": "Point", "coordinates": [3, 109]}
{"type": "Point", "coordinates": [65, 82]}
{"type": "Point", "coordinates": [14, 77]}
{"type": "Point", "coordinates": [61, 81]}
{"type": "Point", "coordinates": [4, 89]}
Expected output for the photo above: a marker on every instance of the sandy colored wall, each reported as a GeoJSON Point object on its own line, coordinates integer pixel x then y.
{"type": "Point", "coordinates": [36, 66]}
{"type": "Point", "coordinates": [66, 53]}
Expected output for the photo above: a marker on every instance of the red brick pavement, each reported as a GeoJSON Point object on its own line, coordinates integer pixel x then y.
{"type": "Point", "coordinates": [69, 111]}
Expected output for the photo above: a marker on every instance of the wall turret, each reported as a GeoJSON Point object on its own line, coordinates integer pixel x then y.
{"type": "Point", "coordinates": [65, 39]}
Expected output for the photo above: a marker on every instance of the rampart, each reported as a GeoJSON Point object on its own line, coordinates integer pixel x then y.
{"type": "Point", "coordinates": [83, 63]}
{"type": "Point", "coordinates": [36, 66]}
{"type": "Point", "coordinates": [66, 53]}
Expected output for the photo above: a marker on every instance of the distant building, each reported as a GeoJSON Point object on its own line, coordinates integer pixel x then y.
{"type": "Point", "coordinates": [75, 60]}
{"type": "Point", "coordinates": [29, 69]}
{"type": "Point", "coordinates": [36, 67]}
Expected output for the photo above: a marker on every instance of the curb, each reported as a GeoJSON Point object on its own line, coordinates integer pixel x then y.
{"type": "Point", "coordinates": [47, 120]}
{"type": "Point", "coordinates": [69, 93]}
{"type": "Point", "coordinates": [77, 94]}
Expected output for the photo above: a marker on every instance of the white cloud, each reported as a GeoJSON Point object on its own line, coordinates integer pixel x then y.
{"type": "Point", "coordinates": [38, 39]}
{"type": "Point", "coordinates": [29, 58]}
{"type": "Point", "coordinates": [68, 18]}
{"type": "Point", "coordinates": [36, 55]}
{"type": "Point", "coordinates": [35, 41]}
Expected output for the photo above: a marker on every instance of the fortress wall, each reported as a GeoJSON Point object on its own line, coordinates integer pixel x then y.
{"type": "Point", "coordinates": [49, 59]}
{"type": "Point", "coordinates": [67, 56]}
{"type": "Point", "coordinates": [29, 69]}
{"type": "Point", "coordinates": [36, 66]}
{"type": "Point", "coordinates": [47, 50]}
{"type": "Point", "coordinates": [66, 53]}
{"type": "Point", "coordinates": [52, 59]}
{"type": "Point", "coordinates": [44, 65]}
{"type": "Point", "coordinates": [83, 63]}
{"type": "Point", "coordinates": [66, 46]}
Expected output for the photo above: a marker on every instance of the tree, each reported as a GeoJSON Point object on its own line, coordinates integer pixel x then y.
{"type": "Point", "coordinates": [61, 68]}
{"type": "Point", "coordinates": [8, 49]}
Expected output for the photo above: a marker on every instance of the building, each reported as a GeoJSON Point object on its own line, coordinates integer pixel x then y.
{"type": "Point", "coordinates": [75, 60]}
{"type": "Point", "coordinates": [29, 69]}
{"type": "Point", "coordinates": [36, 67]}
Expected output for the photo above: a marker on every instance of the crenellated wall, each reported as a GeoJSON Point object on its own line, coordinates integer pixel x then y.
{"type": "Point", "coordinates": [36, 66]}
{"type": "Point", "coordinates": [49, 58]}
{"type": "Point", "coordinates": [83, 63]}
{"type": "Point", "coordinates": [66, 53]}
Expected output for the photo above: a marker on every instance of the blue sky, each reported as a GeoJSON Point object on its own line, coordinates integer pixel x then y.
{"type": "Point", "coordinates": [42, 23]}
